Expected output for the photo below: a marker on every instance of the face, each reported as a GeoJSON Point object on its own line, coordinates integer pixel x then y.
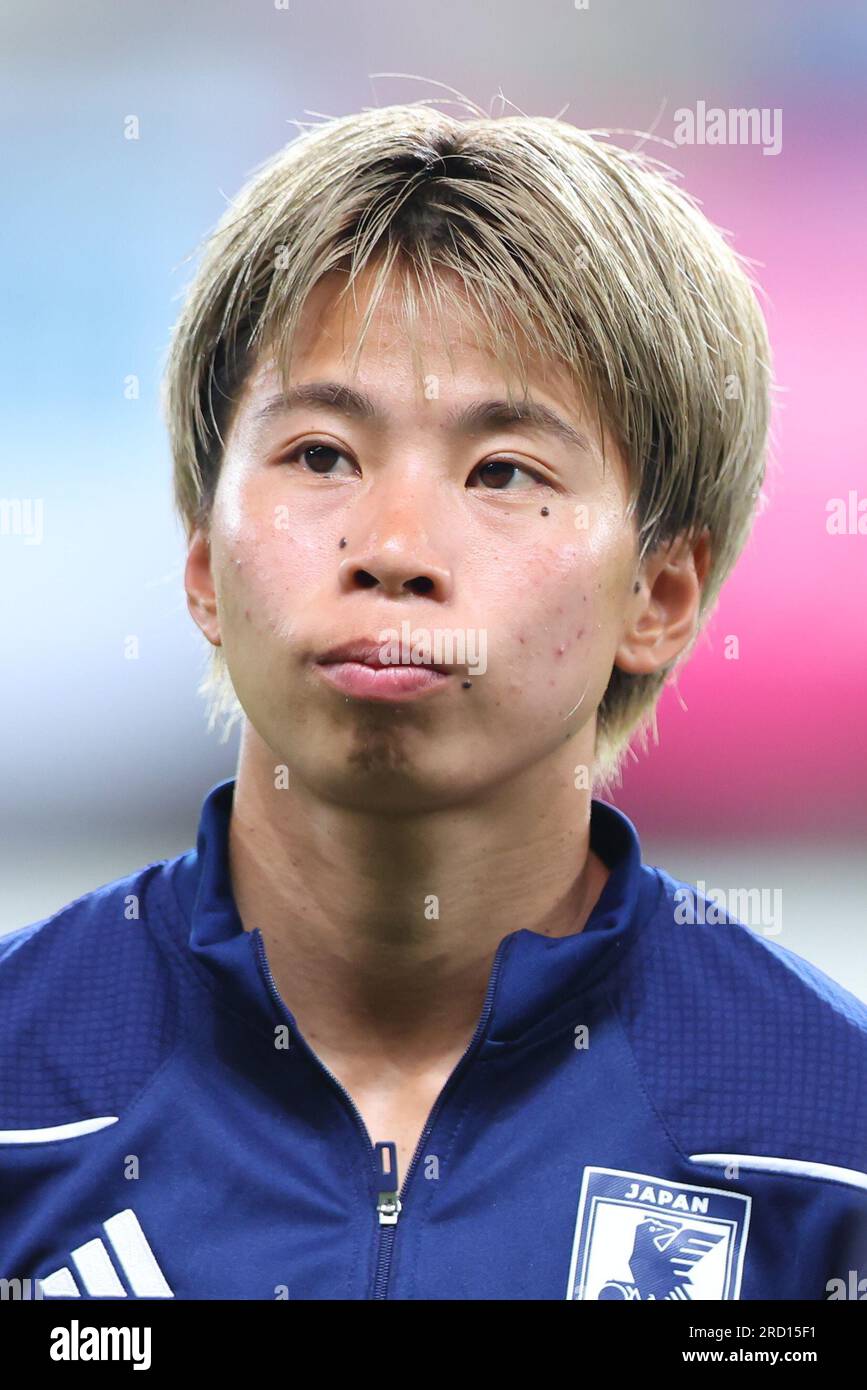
{"type": "Point", "coordinates": [403, 514]}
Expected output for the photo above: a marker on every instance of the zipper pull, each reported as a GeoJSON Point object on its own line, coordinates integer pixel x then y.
{"type": "Point", "coordinates": [388, 1203]}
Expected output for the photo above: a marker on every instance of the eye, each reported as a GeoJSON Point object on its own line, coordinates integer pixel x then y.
{"type": "Point", "coordinates": [498, 475]}
{"type": "Point", "coordinates": [319, 458]}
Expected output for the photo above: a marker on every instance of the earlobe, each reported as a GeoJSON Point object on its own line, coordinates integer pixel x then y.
{"type": "Point", "coordinates": [199, 586]}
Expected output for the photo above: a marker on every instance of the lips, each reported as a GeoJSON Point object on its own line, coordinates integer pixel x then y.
{"type": "Point", "coordinates": [357, 670]}
{"type": "Point", "coordinates": [366, 652]}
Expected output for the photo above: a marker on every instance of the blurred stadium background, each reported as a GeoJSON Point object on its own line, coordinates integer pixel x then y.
{"type": "Point", "coordinates": [759, 780]}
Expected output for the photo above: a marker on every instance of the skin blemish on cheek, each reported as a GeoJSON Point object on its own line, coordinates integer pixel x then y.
{"type": "Point", "coordinates": [560, 650]}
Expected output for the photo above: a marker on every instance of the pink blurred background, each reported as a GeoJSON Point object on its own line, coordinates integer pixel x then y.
{"type": "Point", "coordinates": [774, 742]}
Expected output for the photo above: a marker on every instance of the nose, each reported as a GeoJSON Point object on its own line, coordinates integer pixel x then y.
{"type": "Point", "coordinates": [395, 555]}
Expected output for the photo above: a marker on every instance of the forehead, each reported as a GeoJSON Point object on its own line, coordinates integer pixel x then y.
{"type": "Point", "coordinates": [441, 334]}
{"type": "Point", "coordinates": [338, 310]}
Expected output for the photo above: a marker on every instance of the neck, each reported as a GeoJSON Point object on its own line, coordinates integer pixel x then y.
{"type": "Point", "coordinates": [381, 930]}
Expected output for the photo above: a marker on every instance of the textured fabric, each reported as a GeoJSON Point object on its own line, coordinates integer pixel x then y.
{"type": "Point", "coordinates": [743, 1044]}
{"type": "Point", "coordinates": [648, 1110]}
{"type": "Point", "coordinates": [88, 1009]}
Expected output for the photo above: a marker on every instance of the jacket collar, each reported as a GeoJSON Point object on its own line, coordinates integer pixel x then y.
{"type": "Point", "coordinates": [538, 979]}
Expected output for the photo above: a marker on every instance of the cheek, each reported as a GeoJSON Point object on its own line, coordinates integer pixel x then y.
{"type": "Point", "coordinates": [259, 569]}
{"type": "Point", "coordinates": [566, 620]}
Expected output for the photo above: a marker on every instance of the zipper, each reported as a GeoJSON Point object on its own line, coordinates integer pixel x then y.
{"type": "Point", "coordinates": [388, 1207]}
{"type": "Point", "coordinates": [389, 1202]}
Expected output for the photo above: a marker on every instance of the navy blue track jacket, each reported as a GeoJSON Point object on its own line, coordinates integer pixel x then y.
{"type": "Point", "coordinates": [649, 1109]}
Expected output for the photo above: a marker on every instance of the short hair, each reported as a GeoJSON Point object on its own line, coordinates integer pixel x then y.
{"type": "Point", "coordinates": [592, 251]}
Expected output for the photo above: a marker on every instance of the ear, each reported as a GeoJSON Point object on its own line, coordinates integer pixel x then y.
{"type": "Point", "coordinates": [662, 616]}
{"type": "Point", "coordinates": [199, 584]}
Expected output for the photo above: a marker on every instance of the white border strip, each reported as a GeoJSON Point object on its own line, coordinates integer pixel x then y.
{"type": "Point", "coordinates": [44, 1136]}
{"type": "Point", "coordinates": [795, 1167]}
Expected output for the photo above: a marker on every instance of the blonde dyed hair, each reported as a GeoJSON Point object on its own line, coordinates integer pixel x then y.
{"type": "Point", "coordinates": [587, 253]}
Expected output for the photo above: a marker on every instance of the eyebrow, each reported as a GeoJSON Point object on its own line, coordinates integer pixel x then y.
{"type": "Point", "coordinates": [476, 418]}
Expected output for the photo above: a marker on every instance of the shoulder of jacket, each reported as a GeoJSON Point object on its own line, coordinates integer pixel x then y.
{"type": "Point", "coordinates": [87, 1006]}
{"type": "Point", "coordinates": [743, 1046]}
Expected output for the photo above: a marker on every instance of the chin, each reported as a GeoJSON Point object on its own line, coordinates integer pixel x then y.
{"type": "Point", "coordinates": [378, 778]}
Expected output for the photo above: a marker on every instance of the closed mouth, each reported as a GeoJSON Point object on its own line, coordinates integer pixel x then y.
{"type": "Point", "coordinates": [366, 652]}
